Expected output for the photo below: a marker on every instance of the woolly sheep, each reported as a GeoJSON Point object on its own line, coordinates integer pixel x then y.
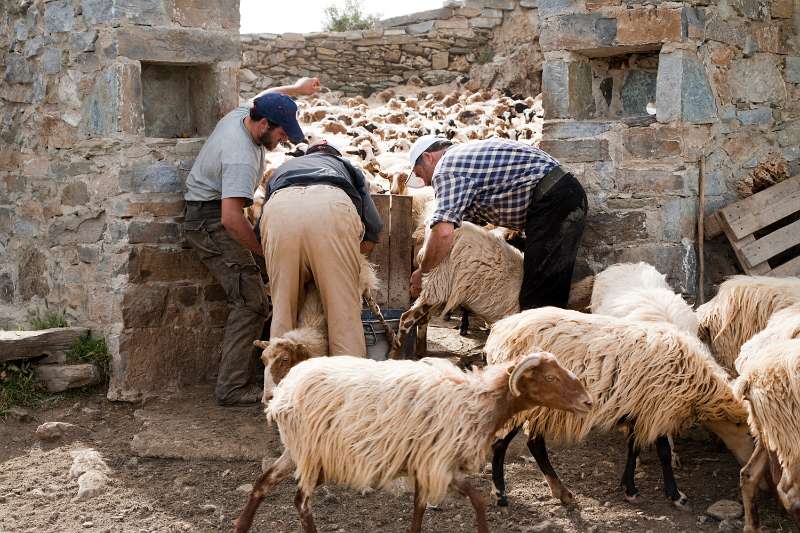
{"type": "Point", "coordinates": [652, 378]}
{"type": "Point", "coordinates": [769, 385]}
{"type": "Point", "coordinates": [365, 424]}
{"type": "Point", "coordinates": [640, 292]}
{"type": "Point", "coordinates": [482, 273]}
{"type": "Point", "coordinates": [741, 309]}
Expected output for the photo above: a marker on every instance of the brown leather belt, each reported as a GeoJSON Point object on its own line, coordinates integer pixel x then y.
{"type": "Point", "coordinates": [547, 182]}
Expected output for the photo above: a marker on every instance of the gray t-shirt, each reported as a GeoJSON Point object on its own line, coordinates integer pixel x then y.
{"type": "Point", "coordinates": [229, 164]}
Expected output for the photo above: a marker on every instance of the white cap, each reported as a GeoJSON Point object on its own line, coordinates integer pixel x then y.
{"type": "Point", "coordinates": [417, 149]}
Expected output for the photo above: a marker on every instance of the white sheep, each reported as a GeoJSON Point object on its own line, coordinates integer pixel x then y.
{"type": "Point", "coordinates": [640, 292]}
{"type": "Point", "coordinates": [652, 378]}
{"type": "Point", "coordinates": [365, 424]}
{"type": "Point", "coordinates": [769, 385]}
{"type": "Point", "coordinates": [482, 273]}
{"type": "Point", "coordinates": [741, 309]}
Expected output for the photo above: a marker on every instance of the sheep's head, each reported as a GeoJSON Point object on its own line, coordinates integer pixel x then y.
{"type": "Point", "coordinates": [279, 356]}
{"type": "Point", "coordinates": [539, 379]}
{"type": "Point", "coordinates": [399, 182]}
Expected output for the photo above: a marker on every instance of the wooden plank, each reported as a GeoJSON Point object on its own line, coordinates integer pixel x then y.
{"type": "Point", "coordinates": [744, 214]}
{"type": "Point", "coordinates": [401, 252]}
{"type": "Point", "coordinates": [380, 255]}
{"type": "Point", "coordinates": [789, 268]}
{"type": "Point", "coordinates": [755, 220]}
{"type": "Point", "coordinates": [771, 245]}
{"type": "Point", "coordinates": [29, 344]}
{"type": "Point", "coordinates": [761, 268]}
{"type": "Point", "coordinates": [712, 227]}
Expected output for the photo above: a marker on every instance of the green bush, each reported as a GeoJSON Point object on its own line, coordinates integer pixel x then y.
{"type": "Point", "coordinates": [88, 349]}
{"type": "Point", "coordinates": [18, 386]}
{"type": "Point", "coordinates": [48, 319]}
{"type": "Point", "coordinates": [485, 55]}
{"type": "Point", "coordinates": [348, 18]}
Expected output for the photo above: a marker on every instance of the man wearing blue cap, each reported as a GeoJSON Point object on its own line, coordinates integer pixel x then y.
{"type": "Point", "coordinates": [220, 185]}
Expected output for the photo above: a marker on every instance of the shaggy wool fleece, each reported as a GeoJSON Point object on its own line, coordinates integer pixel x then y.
{"type": "Point", "coordinates": [662, 378]}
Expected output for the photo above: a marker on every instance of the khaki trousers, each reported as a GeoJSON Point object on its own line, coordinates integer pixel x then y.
{"type": "Point", "coordinates": [313, 233]}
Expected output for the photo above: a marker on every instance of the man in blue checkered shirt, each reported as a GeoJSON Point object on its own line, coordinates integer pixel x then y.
{"type": "Point", "coordinates": [511, 184]}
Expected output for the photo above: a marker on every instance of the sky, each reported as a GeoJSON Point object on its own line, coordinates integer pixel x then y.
{"type": "Point", "coordinates": [303, 16]}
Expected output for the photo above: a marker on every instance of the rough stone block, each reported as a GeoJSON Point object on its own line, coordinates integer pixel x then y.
{"type": "Point", "coordinates": [567, 89]}
{"type": "Point", "coordinates": [440, 60]}
{"type": "Point", "coordinates": [577, 151]}
{"type": "Point", "coordinates": [648, 182]}
{"type": "Point", "coordinates": [162, 264]}
{"type": "Point", "coordinates": [757, 79]}
{"type": "Point", "coordinates": [59, 16]}
{"type": "Point", "coordinates": [529, 3]}
{"type": "Point", "coordinates": [551, 8]}
{"type": "Point", "coordinates": [570, 130]}
{"type": "Point", "coordinates": [484, 22]}
{"type": "Point", "coordinates": [761, 116]}
{"type": "Point", "coordinates": [792, 69]}
{"type": "Point", "coordinates": [95, 11]}
{"type": "Point", "coordinates": [614, 227]}
{"type": "Point", "coordinates": [77, 229]}
{"type": "Point", "coordinates": [184, 45]}
{"type": "Point", "coordinates": [58, 378]}
{"type": "Point", "coordinates": [644, 26]}
{"type": "Point", "coordinates": [753, 9]}
{"type": "Point", "coordinates": [151, 177]}
{"type": "Point", "coordinates": [782, 9]}
{"type": "Point", "coordinates": [577, 32]}
{"type": "Point", "coordinates": [83, 41]}
{"type": "Point", "coordinates": [100, 111]}
{"type": "Point", "coordinates": [206, 14]}
{"type": "Point", "coordinates": [414, 18]}
{"type": "Point", "coordinates": [638, 89]}
{"type": "Point", "coordinates": [18, 69]}
{"type": "Point", "coordinates": [683, 92]}
{"type": "Point", "coordinates": [651, 143]}
{"type": "Point", "coordinates": [75, 194]}
{"type": "Point", "coordinates": [6, 288]}
{"type": "Point", "coordinates": [153, 232]}
{"type": "Point", "coordinates": [420, 27]}
{"type": "Point", "coordinates": [507, 5]}
{"type": "Point", "coordinates": [51, 60]}
{"type": "Point", "coordinates": [143, 306]}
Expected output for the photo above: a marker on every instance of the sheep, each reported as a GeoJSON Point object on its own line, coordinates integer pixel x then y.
{"type": "Point", "coordinates": [653, 379]}
{"type": "Point", "coordinates": [482, 273]}
{"type": "Point", "coordinates": [769, 385]}
{"type": "Point", "coordinates": [310, 337]}
{"type": "Point", "coordinates": [741, 309]}
{"type": "Point", "coordinates": [366, 424]}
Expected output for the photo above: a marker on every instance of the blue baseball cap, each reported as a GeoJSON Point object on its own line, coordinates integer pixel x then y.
{"type": "Point", "coordinates": [281, 110]}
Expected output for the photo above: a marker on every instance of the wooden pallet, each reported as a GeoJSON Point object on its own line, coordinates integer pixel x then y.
{"type": "Point", "coordinates": [741, 221]}
{"type": "Point", "coordinates": [393, 255]}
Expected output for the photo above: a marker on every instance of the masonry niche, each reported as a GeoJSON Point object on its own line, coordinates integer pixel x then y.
{"type": "Point", "coordinates": [178, 100]}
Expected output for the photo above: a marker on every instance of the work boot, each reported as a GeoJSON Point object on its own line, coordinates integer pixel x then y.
{"type": "Point", "coordinates": [247, 395]}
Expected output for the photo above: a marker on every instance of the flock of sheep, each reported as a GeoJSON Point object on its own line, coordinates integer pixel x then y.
{"type": "Point", "coordinates": [631, 354]}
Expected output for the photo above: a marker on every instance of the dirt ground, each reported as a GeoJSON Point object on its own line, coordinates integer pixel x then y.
{"type": "Point", "coordinates": [186, 465]}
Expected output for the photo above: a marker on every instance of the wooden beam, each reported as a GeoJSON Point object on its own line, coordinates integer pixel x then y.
{"type": "Point", "coordinates": [712, 225]}
{"type": "Point", "coordinates": [380, 255]}
{"type": "Point", "coordinates": [761, 209]}
{"type": "Point", "coordinates": [789, 268]}
{"type": "Point", "coordinates": [401, 252]}
{"type": "Point", "coordinates": [759, 250]}
{"type": "Point", "coordinates": [30, 344]}
{"type": "Point", "coordinates": [737, 245]}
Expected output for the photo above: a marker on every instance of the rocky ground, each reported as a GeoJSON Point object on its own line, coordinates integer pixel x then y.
{"type": "Point", "coordinates": [187, 465]}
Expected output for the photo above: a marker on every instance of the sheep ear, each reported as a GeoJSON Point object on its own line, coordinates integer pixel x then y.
{"type": "Point", "coordinates": [261, 344]}
{"type": "Point", "coordinates": [526, 364]}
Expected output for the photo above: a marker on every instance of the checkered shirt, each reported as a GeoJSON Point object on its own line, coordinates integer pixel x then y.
{"type": "Point", "coordinates": [489, 182]}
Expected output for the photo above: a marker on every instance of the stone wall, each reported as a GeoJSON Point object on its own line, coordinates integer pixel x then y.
{"type": "Point", "coordinates": [103, 104]}
{"type": "Point", "coordinates": [435, 46]}
{"type": "Point", "coordinates": [724, 82]}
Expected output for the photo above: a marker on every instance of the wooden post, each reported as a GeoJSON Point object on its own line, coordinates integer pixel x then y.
{"type": "Point", "coordinates": [701, 215]}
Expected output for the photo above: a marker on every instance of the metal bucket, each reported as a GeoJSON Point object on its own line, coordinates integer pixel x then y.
{"type": "Point", "coordinates": [375, 335]}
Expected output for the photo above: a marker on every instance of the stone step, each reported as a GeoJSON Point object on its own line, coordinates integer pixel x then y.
{"type": "Point", "coordinates": [58, 378]}
{"type": "Point", "coordinates": [52, 343]}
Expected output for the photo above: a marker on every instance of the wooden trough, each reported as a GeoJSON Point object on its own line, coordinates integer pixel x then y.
{"type": "Point", "coordinates": [393, 255]}
{"type": "Point", "coordinates": [763, 230]}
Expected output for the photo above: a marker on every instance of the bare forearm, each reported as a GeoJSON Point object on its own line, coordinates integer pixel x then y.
{"type": "Point", "coordinates": [242, 232]}
{"type": "Point", "coordinates": [438, 247]}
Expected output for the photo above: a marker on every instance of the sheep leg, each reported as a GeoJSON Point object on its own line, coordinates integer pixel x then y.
{"type": "Point", "coordinates": [373, 307]}
{"type": "Point", "coordinates": [419, 510]}
{"type": "Point", "coordinates": [538, 448]}
{"type": "Point", "coordinates": [302, 502]}
{"type": "Point", "coordinates": [408, 320]}
{"type": "Point", "coordinates": [281, 469]}
{"type": "Point", "coordinates": [631, 492]}
{"type": "Point", "coordinates": [498, 466]}
{"type": "Point", "coordinates": [676, 459]}
{"type": "Point", "coordinates": [749, 477]}
{"type": "Point", "coordinates": [664, 452]}
{"type": "Point", "coordinates": [463, 329]}
{"type": "Point", "coordinates": [478, 502]}
{"type": "Point", "coordinates": [421, 347]}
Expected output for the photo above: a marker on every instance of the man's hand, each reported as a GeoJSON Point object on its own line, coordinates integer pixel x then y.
{"type": "Point", "coordinates": [238, 226]}
{"type": "Point", "coordinates": [366, 247]}
{"type": "Point", "coordinates": [416, 283]}
{"type": "Point", "coordinates": [307, 86]}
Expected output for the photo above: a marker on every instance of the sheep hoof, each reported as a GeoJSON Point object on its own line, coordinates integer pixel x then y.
{"type": "Point", "coordinates": [502, 501]}
{"type": "Point", "coordinates": [682, 502]}
{"type": "Point", "coordinates": [676, 461]}
{"type": "Point", "coordinates": [633, 498]}
{"type": "Point", "coordinates": [566, 497]}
